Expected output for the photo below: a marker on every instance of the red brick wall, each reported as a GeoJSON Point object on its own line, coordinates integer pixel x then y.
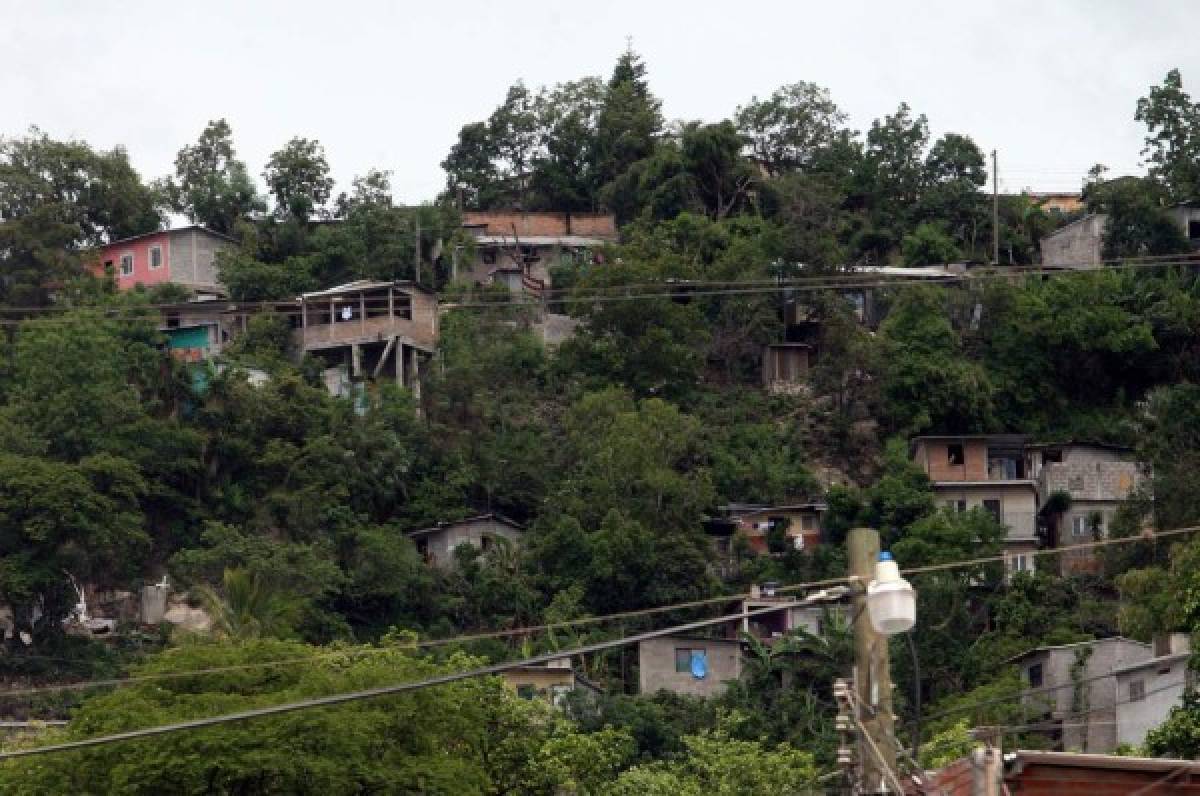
{"type": "Point", "coordinates": [932, 456]}
{"type": "Point", "coordinates": [501, 222]}
{"type": "Point", "coordinates": [1039, 780]}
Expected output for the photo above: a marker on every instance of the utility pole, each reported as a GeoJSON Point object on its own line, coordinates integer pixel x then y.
{"type": "Point", "coordinates": [872, 672]}
{"type": "Point", "coordinates": [417, 244]}
{"type": "Point", "coordinates": [995, 210]}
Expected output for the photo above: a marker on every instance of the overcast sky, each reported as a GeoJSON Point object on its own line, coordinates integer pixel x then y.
{"type": "Point", "coordinates": [1051, 85]}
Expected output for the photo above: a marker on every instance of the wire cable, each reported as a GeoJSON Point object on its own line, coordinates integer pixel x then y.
{"type": "Point", "coordinates": [531, 629]}
{"type": "Point", "coordinates": [400, 688]}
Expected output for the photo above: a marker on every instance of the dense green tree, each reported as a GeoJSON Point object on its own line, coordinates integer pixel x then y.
{"type": "Point", "coordinates": [787, 129]}
{"type": "Point", "coordinates": [211, 186]}
{"type": "Point", "coordinates": [928, 384]}
{"type": "Point", "coordinates": [298, 178]}
{"type": "Point", "coordinates": [1172, 137]}
{"type": "Point", "coordinates": [56, 199]}
{"type": "Point", "coordinates": [629, 121]}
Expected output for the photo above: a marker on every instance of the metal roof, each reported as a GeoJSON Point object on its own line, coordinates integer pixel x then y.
{"type": "Point", "coordinates": [540, 240]}
{"type": "Point", "coordinates": [189, 228]}
{"type": "Point", "coordinates": [362, 284]}
{"type": "Point", "coordinates": [1149, 663]}
{"type": "Point", "coordinates": [441, 526]}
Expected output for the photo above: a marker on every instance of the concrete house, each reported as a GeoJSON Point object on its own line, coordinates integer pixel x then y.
{"type": "Point", "coordinates": [367, 330]}
{"type": "Point", "coordinates": [1146, 691]}
{"type": "Point", "coordinates": [518, 248]}
{"type": "Point", "coordinates": [437, 544]}
{"type": "Point", "coordinates": [691, 665]}
{"type": "Point", "coordinates": [666, 664]}
{"type": "Point", "coordinates": [186, 256]}
{"type": "Point", "coordinates": [1079, 245]}
{"type": "Point", "coordinates": [1097, 478]}
{"type": "Point", "coordinates": [551, 681]}
{"type": "Point", "coordinates": [1074, 686]}
{"type": "Point", "coordinates": [988, 471]}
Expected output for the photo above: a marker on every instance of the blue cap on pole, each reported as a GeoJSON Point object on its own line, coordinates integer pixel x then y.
{"type": "Point", "coordinates": [884, 555]}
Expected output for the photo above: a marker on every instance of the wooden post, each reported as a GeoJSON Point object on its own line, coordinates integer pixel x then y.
{"type": "Point", "coordinates": [872, 673]}
{"type": "Point", "coordinates": [362, 313]}
{"type": "Point", "coordinates": [355, 360]}
{"type": "Point", "coordinates": [400, 363]}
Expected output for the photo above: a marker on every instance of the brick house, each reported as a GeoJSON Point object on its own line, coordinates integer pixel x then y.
{"type": "Point", "coordinates": [186, 256]}
{"type": "Point", "coordinates": [519, 248]}
{"type": "Point", "coordinates": [988, 471]}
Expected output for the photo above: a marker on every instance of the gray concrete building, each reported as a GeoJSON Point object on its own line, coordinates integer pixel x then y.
{"type": "Point", "coordinates": [1097, 479]}
{"type": "Point", "coordinates": [1080, 244]}
{"type": "Point", "coordinates": [1073, 687]}
{"type": "Point", "coordinates": [1147, 690]}
{"type": "Point", "coordinates": [437, 544]}
{"type": "Point", "coordinates": [673, 663]}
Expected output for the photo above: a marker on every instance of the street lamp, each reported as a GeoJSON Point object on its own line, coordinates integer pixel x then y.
{"type": "Point", "coordinates": [891, 601]}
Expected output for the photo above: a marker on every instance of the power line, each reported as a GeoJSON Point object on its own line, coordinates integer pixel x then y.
{"type": "Point", "coordinates": [399, 688]}
{"type": "Point", "coordinates": [531, 629]}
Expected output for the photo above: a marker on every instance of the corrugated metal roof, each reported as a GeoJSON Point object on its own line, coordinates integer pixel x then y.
{"type": "Point", "coordinates": [539, 240]}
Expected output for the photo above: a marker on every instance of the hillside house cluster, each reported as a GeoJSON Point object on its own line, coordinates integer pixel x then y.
{"type": "Point", "coordinates": [1023, 484]}
{"type": "Point", "coordinates": [1096, 695]}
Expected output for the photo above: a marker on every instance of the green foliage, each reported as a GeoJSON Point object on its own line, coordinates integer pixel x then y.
{"type": "Point", "coordinates": [456, 739]}
{"type": "Point", "coordinates": [718, 763]}
{"type": "Point", "coordinates": [1179, 736]}
{"type": "Point", "coordinates": [298, 178]}
{"type": "Point", "coordinates": [211, 186]}
{"type": "Point", "coordinates": [929, 244]}
{"type": "Point", "coordinates": [56, 199]}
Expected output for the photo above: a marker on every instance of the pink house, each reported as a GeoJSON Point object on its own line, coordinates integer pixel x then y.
{"type": "Point", "coordinates": [186, 256]}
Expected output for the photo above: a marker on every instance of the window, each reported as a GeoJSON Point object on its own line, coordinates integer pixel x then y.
{"type": "Point", "coordinates": [1137, 690]}
{"type": "Point", "coordinates": [992, 507]}
{"type": "Point", "coordinates": [684, 657]}
{"type": "Point", "coordinates": [808, 522]}
{"type": "Point", "coordinates": [526, 691]}
{"type": "Point", "coordinates": [1193, 230]}
{"type": "Point", "coordinates": [127, 264]}
{"type": "Point", "coordinates": [156, 259]}
{"type": "Point", "coordinates": [1084, 524]}
{"type": "Point", "coordinates": [954, 454]}
{"type": "Point", "coordinates": [109, 270]}
{"type": "Point", "coordinates": [488, 256]}
{"type": "Point", "coordinates": [1035, 675]}
{"type": "Point", "coordinates": [1052, 456]}
{"type": "Point", "coordinates": [1020, 563]}
{"type": "Point", "coordinates": [486, 543]}
{"type": "Point", "coordinates": [957, 505]}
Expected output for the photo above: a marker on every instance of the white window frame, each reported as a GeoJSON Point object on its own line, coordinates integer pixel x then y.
{"type": "Point", "coordinates": [132, 264]}
{"type": "Point", "coordinates": [161, 260]}
{"type": "Point", "coordinates": [1079, 525]}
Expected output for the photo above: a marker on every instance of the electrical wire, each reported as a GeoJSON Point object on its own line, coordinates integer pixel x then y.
{"type": "Point", "coordinates": [622, 293]}
{"type": "Point", "coordinates": [531, 629]}
{"type": "Point", "coordinates": [399, 688]}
